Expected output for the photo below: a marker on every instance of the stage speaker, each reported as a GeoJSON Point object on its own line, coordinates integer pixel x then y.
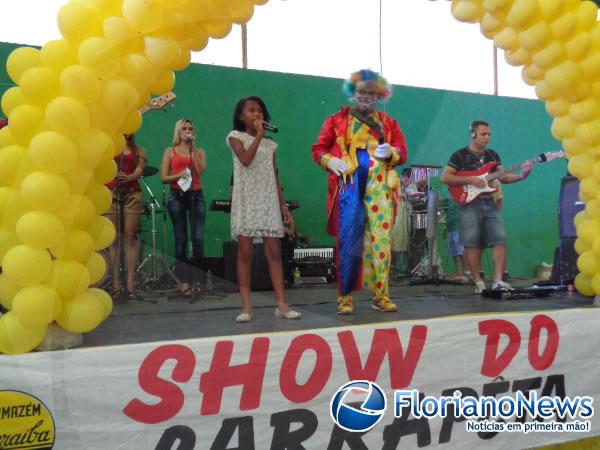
{"type": "Point", "coordinates": [564, 268]}
{"type": "Point", "coordinates": [260, 279]}
{"type": "Point", "coordinates": [569, 205]}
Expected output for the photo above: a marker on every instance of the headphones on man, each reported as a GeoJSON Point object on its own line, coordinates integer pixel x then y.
{"type": "Point", "coordinates": [472, 130]}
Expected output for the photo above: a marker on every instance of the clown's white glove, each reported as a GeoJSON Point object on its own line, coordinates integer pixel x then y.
{"type": "Point", "coordinates": [383, 151]}
{"type": "Point", "coordinates": [336, 165]}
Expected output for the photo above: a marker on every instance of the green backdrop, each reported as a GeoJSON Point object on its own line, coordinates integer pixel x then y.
{"type": "Point", "coordinates": [435, 123]}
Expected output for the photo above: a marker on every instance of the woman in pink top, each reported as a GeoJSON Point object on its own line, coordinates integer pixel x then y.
{"type": "Point", "coordinates": [130, 165]}
{"type": "Point", "coordinates": [181, 168]}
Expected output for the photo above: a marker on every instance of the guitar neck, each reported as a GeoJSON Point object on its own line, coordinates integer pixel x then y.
{"type": "Point", "coordinates": [500, 173]}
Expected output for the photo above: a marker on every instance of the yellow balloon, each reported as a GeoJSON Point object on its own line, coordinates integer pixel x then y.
{"type": "Point", "coordinates": [564, 25]}
{"type": "Point", "coordinates": [122, 36]}
{"type": "Point", "coordinates": [198, 41]}
{"type": "Point", "coordinates": [79, 179]}
{"type": "Point", "coordinates": [69, 278]}
{"type": "Point", "coordinates": [8, 290]}
{"type": "Point", "coordinates": [82, 314]}
{"type": "Point", "coordinates": [132, 123]}
{"type": "Point", "coordinates": [12, 98]}
{"type": "Point", "coordinates": [164, 83]}
{"type": "Point", "coordinates": [241, 11]}
{"type": "Point", "coordinates": [77, 22]}
{"type": "Point", "coordinates": [467, 11]}
{"type": "Point", "coordinates": [585, 110]}
{"type": "Point", "coordinates": [94, 148]}
{"type": "Point", "coordinates": [583, 284]}
{"type": "Point", "coordinates": [67, 116]}
{"type": "Point", "coordinates": [592, 209]}
{"type": "Point", "coordinates": [581, 166]}
{"type": "Point", "coordinates": [80, 83]}
{"type": "Point", "coordinates": [103, 232]}
{"type": "Point", "coordinates": [101, 119]}
{"type": "Point", "coordinates": [549, 56]}
{"type": "Point", "coordinates": [119, 142]}
{"type": "Point", "coordinates": [590, 66]}
{"type": "Point", "coordinates": [39, 85]}
{"type": "Point", "coordinates": [578, 46]}
{"type": "Point", "coordinates": [78, 246]}
{"type": "Point", "coordinates": [35, 305]}
{"type": "Point", "coordinates": [588, 230]}
{"type": "Point", "coordinates": [100, 196]}
{"type": "Point", "coordinates": [40, 229]}
{"type": "Point", "coordinates": [581, 247]}
{"type": "Point", "coordinates": [8, 240]}
{"type": "Point", "coordinates": [119, 96]}
{"type": "Point", "coordinates": [104, 8]}
{"type": "Point", "coordinates": [99, 55]}
{"type": "Point", "coordinates": [536, 36]}
{"type": "Point", "coordinates": [104, 298]}
{"type": "Point", "coordinates": [53, 152]}
{"type": "Point", "coordinates": [185, 58]}
{"type": "Point", "coordinates": [139, 70]}
{"type": "Point", "coordinates": [12, 206]}
{"type": "Point", "coordinates": [6, 137]}
{"type": "Point", "coordinates": [586, 13]}
{"type": "Point", "coordinates": [162, 52]}
{"type": "Point", "coordinates": [10, 159]}
{"type": "Point", "coordinates": [558, 107]}
{"type": "Point", "coordinates": [96, 266]}
{"type": "Point", "coordinates": [58, 55]}
{"type": "Point", "coordinates": [142, 15]}
{"type": "Point", "coordinates": [532, 74]}
{"type": "Point", "coordinates": [23, 122]}
{"type": "Point", "coordinates": [25, 265]}
{"type": "Point", "coordinates": [45, 191]}
{"type": "Point", "coordinates": [78, 213]}
{"type": "Point", "coordinates": [589, 186]}
{"type": "Point", "coordinates": [551, 8]}
{"type": "Point", "coordinates": [517, 57]}
{"type": "Point", "coordinates": [522, 13]}
{"type": "Point", "coordinates": [579, 218]}
{"type": "Point", "coordinates": [563, 127]}
{"type": "Point", "coordinates": [563, 77]}
{"type": "Point", "coordinates": [589, 132]}
{"type": "Point", "coordinates": [20, 60]}
{"type": "Point", "coordinates": [17, 337]}
{"type": "Point", "coordinates": [218, 29]}
{"type": "Point", "coordinates": [586, 263]}
{"type": "Point", "coordinates": [106, 172]}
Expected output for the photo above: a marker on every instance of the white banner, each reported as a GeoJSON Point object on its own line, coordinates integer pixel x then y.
{"type": "Point", "coordinates": [274, 390]}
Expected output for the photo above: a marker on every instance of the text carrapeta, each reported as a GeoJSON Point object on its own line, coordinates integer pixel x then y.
{"type": "Point", "coordinates": [470, 407]}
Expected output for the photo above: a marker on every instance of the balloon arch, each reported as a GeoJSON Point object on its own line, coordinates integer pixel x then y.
{"type": "Point", "coordinates": [76, 97]}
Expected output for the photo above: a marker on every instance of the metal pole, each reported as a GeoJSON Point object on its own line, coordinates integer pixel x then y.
{"type": "Point", "coordinates": [495, 70]}
{"type": "Point", "coordinates": [244, 46]}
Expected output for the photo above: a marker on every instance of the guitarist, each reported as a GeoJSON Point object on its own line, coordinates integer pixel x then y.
{"type": "Point", "coordinates": [481, 223]}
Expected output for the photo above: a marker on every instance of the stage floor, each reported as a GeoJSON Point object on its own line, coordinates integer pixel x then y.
{"type": "Point", "coordinates": [214, 314]}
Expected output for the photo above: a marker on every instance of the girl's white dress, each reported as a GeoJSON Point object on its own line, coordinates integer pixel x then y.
{"type": "Point", "coordinates": [255, 209]}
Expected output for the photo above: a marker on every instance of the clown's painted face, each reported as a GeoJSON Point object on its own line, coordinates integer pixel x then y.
{"type": "Point", "coordinates": [365, 99]}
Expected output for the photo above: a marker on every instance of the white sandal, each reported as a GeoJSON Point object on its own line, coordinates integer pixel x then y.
{"type": "Point", "coordinates": [291, 314]}
{"type": "Point", "coordinates": [244, 317]}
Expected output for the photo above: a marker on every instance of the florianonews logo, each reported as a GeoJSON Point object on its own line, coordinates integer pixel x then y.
{"type": "Point", "coordinates": [25, 422]}
{"type": "Point", "coordinates": [371, 403]}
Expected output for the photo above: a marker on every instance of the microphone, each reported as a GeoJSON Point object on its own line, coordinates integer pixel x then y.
{"type": "Point", "coordinates": [190, 139]}
{"type": "Point", "coordinates": [268, 127]}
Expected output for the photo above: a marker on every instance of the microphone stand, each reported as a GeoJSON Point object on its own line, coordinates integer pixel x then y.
{"type": "Point", "coordinates": [121, 228]}
{"type": "Point", "coordinates": [193, 298]}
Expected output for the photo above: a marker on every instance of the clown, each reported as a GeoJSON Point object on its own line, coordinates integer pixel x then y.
{"type": "Point", "coordinates": [360, 147]}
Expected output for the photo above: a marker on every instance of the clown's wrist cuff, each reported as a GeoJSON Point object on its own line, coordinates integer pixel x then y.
{"type": "Point", "coordinates": [325, 157]}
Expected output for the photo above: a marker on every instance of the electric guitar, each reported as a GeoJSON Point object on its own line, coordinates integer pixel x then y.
{"type": "Point", "coordinates": [159, 102]}
{"type": "Point", "coordinates": [466, 193]}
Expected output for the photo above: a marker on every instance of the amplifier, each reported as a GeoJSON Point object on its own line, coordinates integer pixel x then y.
{"type": "Point", "coordinates": [315, 262]}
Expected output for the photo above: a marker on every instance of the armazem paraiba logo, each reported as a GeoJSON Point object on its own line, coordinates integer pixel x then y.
{"type": "Point", "coordinates": [25, 422]}
{"type": "Point", "coordinates": [358, 406]}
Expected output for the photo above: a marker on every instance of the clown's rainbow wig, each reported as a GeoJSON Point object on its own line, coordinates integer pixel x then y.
{"type": "Point", "coordinates": [370, 80]}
